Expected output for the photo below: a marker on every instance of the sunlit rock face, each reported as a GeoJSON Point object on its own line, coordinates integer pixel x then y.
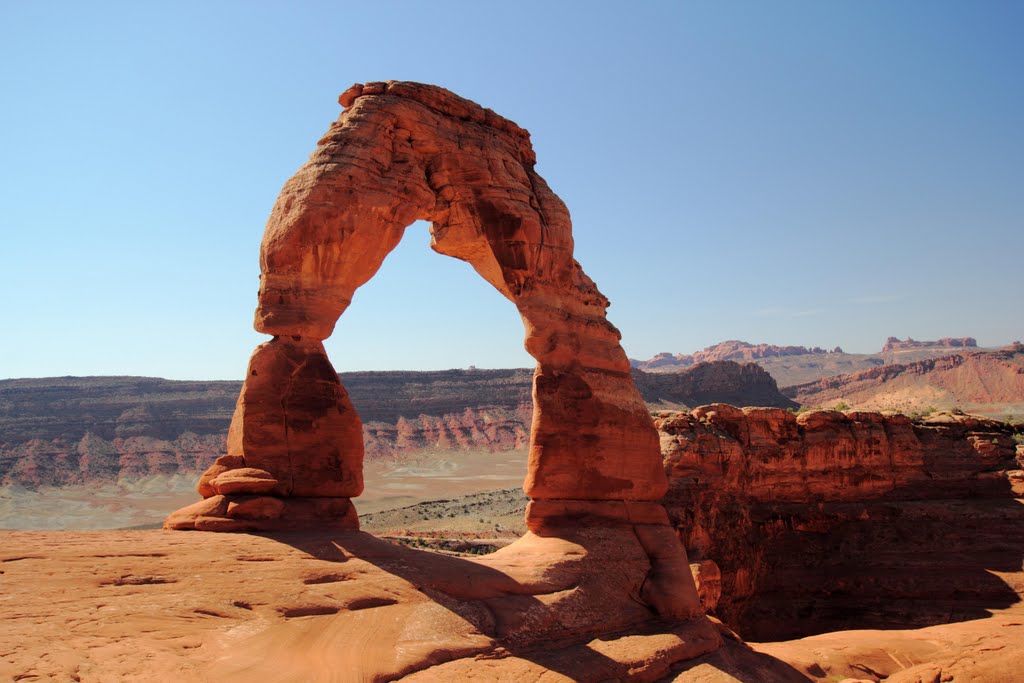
{"type": "Point", "coordinates": [831, 521]}
{"type": "Point", "coordinates": [402, 152]}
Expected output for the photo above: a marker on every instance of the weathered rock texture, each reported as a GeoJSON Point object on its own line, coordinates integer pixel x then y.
{"type": "Point", "coordinates": [828, 521]}
{"type": "Point", "coordinates": [727, 350]}
{"type": "Point", "coordinates": [402, 152]}
{"type": "Point", "coordinates": [152, 606]}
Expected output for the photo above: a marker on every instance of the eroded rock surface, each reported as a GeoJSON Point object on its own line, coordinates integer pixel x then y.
{"type": "Point", "coordinates": [828, 521]}
{"type": "Point", "coordinates": [316, 606]}
{"type": "Point", "coordinates": [157, 606]}
{"type": "Point", "coordinates": [402, 152]}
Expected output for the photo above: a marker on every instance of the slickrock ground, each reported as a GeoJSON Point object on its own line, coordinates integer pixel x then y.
{"type": "Point", "coordinates": [166, 606]}
{"type": "Point", "coordinates": [172, 606]}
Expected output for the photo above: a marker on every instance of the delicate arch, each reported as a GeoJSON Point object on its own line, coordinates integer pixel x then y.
{"type": "Point", "coordinates": [402, 152]}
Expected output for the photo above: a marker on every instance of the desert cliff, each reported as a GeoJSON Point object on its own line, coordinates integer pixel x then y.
{"type": "Point", "coordinates": [829, 521]}
{"type": "Point", "coordinates": [65, 431]}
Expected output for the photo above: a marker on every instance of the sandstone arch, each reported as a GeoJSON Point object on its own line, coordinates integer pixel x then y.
{"type": "Point", "coordinates": [402, 152]}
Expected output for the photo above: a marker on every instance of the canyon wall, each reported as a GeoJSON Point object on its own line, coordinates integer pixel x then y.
{"type": "Point", "coordinates": [828, 521]}
{"type": "Point", "coordinates": [73, 430]}
{"type": "Point", "coordinates": [712, 382]}
{"type": "Point", "coordinates": [896, 344]}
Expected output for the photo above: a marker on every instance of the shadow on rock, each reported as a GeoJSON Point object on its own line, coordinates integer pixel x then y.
{"type": "Point", "coordinates": [569, 604]}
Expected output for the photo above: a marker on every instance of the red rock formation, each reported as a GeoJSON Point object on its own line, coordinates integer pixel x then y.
{"type": "Point", "coordinates": [723, 381]}
{"type": "Point", "coordinates": [342, 606]}
{"type": "Point", "coordinates": [65, 431]}
{"type": "Point", "coordinates": [402, 152]}
{"type": "Point", "coordinates": [828, 521]}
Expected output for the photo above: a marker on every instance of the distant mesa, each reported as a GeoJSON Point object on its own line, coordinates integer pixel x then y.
{"type": "Point", "coordinates": [728, 350]}
{"type": "Point", "coordinates": [895, 344]}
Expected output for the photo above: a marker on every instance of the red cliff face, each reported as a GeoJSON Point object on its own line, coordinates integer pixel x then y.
{"type": "Point", "coordinates": [826, 521]}
{"type": "Point", "coordinates": [486, 429]}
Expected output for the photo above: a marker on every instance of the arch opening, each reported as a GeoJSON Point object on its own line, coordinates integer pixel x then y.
{"type": "Point", "coordinates": [446, 425]}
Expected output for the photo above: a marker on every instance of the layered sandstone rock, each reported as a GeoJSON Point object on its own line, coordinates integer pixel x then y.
{"type": "Point", "coordinates": [310, 605]}
{"type": "Point", "coordinates": [402, 152]}
{"type": "Point", "coordinates": [342, 606]}
{"type": "Point", "coordinates": [828, 521]}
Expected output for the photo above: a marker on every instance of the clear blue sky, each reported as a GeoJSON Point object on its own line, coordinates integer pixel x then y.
{"type": "Point", "coordinates": [814, 173]}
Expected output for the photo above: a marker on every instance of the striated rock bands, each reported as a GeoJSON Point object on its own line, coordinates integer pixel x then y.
{"type": "Point", "coordinates": [66, 430]}
{"type": "Point", "coordinates": [826, 521]}
{"type": "Point", "coordinates": [92, 459]}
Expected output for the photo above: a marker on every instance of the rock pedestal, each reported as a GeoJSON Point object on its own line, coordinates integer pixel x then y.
{"type": "Point", "coordinates": [402, 152]}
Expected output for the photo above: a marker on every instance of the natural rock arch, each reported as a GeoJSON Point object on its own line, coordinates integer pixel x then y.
{"type": "Point", "coordinates": [402, 152]}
